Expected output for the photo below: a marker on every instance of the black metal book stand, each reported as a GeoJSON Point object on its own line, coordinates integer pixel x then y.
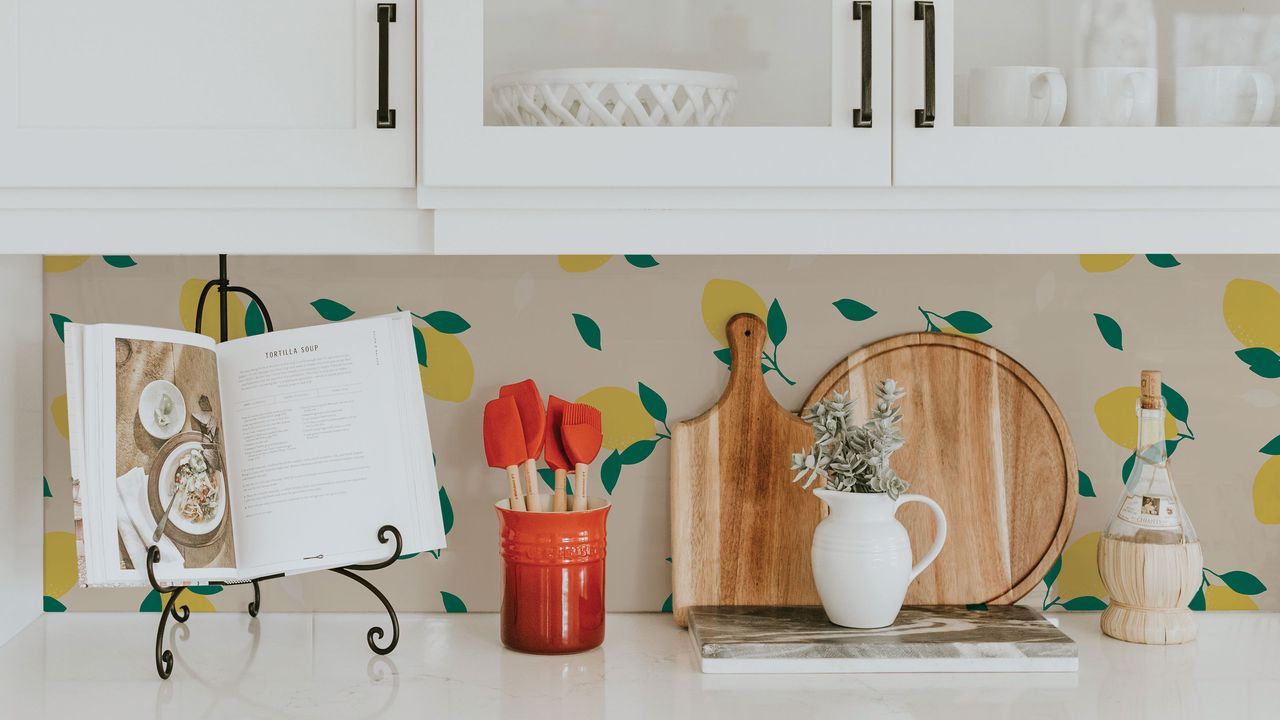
{"type": "Point", "coordinates": [164, 657]}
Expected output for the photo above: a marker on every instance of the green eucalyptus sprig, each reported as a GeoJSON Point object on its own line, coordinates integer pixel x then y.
{"type": "Point", "coordinates": [851, 457]}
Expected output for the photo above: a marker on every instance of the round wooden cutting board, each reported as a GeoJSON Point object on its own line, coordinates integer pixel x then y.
{"type": "Point", "coordinates": [988, 443]}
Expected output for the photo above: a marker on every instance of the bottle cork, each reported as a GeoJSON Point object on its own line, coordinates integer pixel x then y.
{"type": "Point", "coordinates": [1151, 389]}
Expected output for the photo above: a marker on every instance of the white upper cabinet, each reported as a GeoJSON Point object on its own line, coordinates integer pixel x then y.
{"type": "Point", "coordinates": [1086, 93]}
{"type": "Point", "coordinates": [767, 94]}
{"type": "Point", "coordinates": [197, 93]}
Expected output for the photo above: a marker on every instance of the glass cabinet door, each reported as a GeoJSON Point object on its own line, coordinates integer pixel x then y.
{"type": "Point", "coordinates": [656, 94]}
{"type": "Point", "coordinates": [1091, 93]}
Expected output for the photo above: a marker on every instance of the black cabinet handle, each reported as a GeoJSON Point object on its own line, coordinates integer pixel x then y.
{"type": "Point", "coordinates": [386, 16]}
{"type": "Point", "coordinates": [925, 116]}
{"type": "Point", "coordinates": [862, 14]}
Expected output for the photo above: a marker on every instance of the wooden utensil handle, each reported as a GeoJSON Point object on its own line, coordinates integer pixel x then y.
{"type": "Point", "coordinates": [513, 487]}
{"type": "Point", "coordinates": [559, 501]}
{"type": "Point", "coordinates": [533, 493]}
{"type": "Point", "coordinates": [580, 492]}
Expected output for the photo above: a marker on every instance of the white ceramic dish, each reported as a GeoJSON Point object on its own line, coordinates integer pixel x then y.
{"type": "Point", "coordinates": [166, 486]}
{"type": "Point", "coordinates": [149, 400]}
{"type": "Point", "coordinates": [615, 97]}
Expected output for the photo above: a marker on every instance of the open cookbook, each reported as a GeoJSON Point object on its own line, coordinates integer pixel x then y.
{"type": "Point", "coordinates": [277, 453]}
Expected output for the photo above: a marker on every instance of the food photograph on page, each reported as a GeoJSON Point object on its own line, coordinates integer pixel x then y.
{"type": "Point", "coordinates": [171, 490]}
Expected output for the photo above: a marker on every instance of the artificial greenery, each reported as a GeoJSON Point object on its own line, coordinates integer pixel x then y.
{"type": "Point", "coordinates": [851, 457]}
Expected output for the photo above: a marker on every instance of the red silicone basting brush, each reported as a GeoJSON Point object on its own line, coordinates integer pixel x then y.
{"type": "Point", "coordinates": [533, 421]}
{"type": "Point", "coordinates": [553, 449]}
{"type": "Point", "coordinates": [582, 437]}
{"type": "Point", "coordinates": [504, 443]}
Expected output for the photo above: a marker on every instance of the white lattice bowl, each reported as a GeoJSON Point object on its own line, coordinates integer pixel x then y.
{"type": "Point", "coordinates": [615, 97]}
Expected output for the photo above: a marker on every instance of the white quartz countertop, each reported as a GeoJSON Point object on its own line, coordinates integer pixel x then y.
{"type": "Point", "coordinates": [99, 666]}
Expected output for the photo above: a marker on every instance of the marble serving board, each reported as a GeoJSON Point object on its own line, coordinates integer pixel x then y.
{"type": "Point", "coordinates": [933, 638]}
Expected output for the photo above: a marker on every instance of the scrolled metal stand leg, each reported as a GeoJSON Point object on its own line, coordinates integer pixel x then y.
{"type": "Point", "coordinates": [376, 633]}
{"type": "Point", "coordinates": [164, 657]}
{"type": "Point", "coordinates": [256, 605]}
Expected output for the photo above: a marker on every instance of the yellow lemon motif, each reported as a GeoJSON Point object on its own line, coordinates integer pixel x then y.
{"type": "Point", "coordinates": [1104, 263]}
{"type": "Point", "coordinates": [1116, 416]}
{"type": "Point", "coordinates": [1252, 312]}
{"type": "Point", "coordinates": [1266, 493]}
{"type": "Point", "coordinates": [622, 415]}
{"type": "Point", "coordinates": [58, 410]}
{"type": "Point", "coordinates": [1079, 575]}
{"type": "Point", "coordinates": [60, 571]}
{"type": "Point", "coordinates": [1221, 597]}
{"type": "Point", "coordinates": [582, 263]}
{"type": "Point", "coordinates": [449, 373]}
{"type": "Point", "coordinates": [63, 263]}
{"type": "Point", "coordinates": [722, 299]}
{"type": "Point", "coordinates": [193, 601]}
{"type": "Point", "coordinates": [953, 331]}
{"type": "Point", "coordinates": [190, 297]}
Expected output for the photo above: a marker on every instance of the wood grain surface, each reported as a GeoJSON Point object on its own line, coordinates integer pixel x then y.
{"type": "Point", "coordinates": [741, 530]}
{"type": "Point", "coordinates": [987, 442]}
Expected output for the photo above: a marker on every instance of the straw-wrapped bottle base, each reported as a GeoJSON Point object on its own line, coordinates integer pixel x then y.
{"type": "Point", "coordinates": [1151, 586]}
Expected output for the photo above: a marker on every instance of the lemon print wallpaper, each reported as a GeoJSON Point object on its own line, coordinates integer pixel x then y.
{"type": "Point", "coordinates": [642, 339]}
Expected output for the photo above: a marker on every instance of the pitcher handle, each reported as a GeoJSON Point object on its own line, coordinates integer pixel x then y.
{"type": "Point", "coordinates": [938, 540]}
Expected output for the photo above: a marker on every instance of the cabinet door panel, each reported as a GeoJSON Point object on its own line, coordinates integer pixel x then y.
{"type": "Point", "coordinates": [192, 93]}
{"type": "Point", "coordinates": [1119, 67]}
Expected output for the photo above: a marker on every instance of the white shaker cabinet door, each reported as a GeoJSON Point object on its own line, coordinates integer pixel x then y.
{"type": "Point", "coordinates": [206, 93]}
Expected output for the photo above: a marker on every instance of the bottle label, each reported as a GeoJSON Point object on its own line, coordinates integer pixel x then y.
{"type": "Point", "coordinates": [1150, 511]}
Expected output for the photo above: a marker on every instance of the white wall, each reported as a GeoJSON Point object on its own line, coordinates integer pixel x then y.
{"type": "Point", "coordinates": [21, 420]}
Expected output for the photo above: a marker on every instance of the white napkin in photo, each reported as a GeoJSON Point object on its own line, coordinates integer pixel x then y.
{"type": "Point", "coordinates": [136, 525]}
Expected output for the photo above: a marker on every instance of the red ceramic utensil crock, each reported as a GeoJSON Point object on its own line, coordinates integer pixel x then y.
{"type": "Point", "coordinates": [552, 578]}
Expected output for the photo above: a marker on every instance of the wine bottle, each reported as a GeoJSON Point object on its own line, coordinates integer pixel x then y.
{"type": "Point", "coordinates": [1149, 556]}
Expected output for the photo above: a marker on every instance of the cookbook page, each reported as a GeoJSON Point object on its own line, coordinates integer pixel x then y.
{"type": "Point", "coordinates": [151, 456]}
{"type": "Point", "coordinates": [317, 445]}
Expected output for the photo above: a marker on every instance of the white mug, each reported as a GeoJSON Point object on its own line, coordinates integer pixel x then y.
{"type": "Point", "coordinates": [1017, 96]}
{"type": "Point", "coordinates": [1112, 96]}
{"type": "Point", "coordinates": [1225, 95]}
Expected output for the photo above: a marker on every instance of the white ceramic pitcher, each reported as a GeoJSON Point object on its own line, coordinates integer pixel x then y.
{"type": "Point", "coordinates": [862, 557]}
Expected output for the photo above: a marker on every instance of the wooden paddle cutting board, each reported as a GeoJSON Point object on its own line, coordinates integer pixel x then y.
{"type": "Point", "coordinates": [740, 529]}
{"type": "Point", "coordinates": [986, 441]}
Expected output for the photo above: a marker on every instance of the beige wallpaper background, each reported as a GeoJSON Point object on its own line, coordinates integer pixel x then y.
{"type": "Point", "coordinates": [596, 327]}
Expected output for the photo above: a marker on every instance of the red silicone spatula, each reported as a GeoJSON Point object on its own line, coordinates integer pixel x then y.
{"type": "Point", "coordinates": [533, 421]}
{"type": "Point", "coordinates": [504, 443]}
{"type": "Point", "coordinates": [580, 431]}
{"type": "Point", "coordinates": [554, 450]}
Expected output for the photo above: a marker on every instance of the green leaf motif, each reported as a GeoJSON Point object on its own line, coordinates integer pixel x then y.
{"type": "Point", "coordinates": [1243, 582]}
{"type": "Point", "coordinates": [205, 589]}
{"type": "Point", "coordinates": [150, 603]}
{"type": "Point", "coordinates": [777, 323]}
{"type": "Point", "coordinates": [1052, 576]}
{"type": "Point", "coordinates": [1271, 448]}
{"type": "Point", "coordinates": [610, 471]}
{"type": "Point", "coordinates": [119, 261]}
{"type": "Point", "coordinates": [52, 605]}
{"type": "Point", "coordinates": [1197, 602]}
{"type": "Point", "coordinates": [641, 261]}
{"type": "Point", "coordinates": [1085, 485]}
{"type": "Point", "coordinates": [976, 607]}
{"type": "Point", "coordinates": [1163, 261]}
{"type": "Point", "coordinates": [1171, 446]}
{"type": "Point", "coordinates": [637, 452]}
{"type": "Point", "coordinates": [1128, 468]}
{"type": "Point", "coordinates": [443, 321]}
{"type": "Point", "coordinates": [332, 310]}
{"type": "Point", "coordinates": [725, 355]}
{"type": "Point", "coordinates": [854, 310]}
{"type": "Point", "coordinates": [46, 488]}
{"type": "Point", "coordinates": [420, 346]}
{"type": "Point", "coordinates": [254, 322]}
{"type": "Point", "coordinates": [1264, 362]}
{"type": "Point", "coordinates": [653, 403]}
{"type": "Point", "coordinates": [548, 477]}
{"type": "Point", "coordinates": [666, 605]}
{"type": "Point", "coordinates": [967, 321]}
{"type": "Point", "coordinates": [1175, 403]}
{"type": "Point", "coordinates": [452, 603]}
{"type": "Point", "coordinates": [588, 330]}
{"type": "Point", "coordinates": [1110, 330]}
{"type": "Point", "coordinates": [446, 510]}
{"type": "Point", "coordinates": [410, 556]}
{"type": "Point", "coordinates": [1084, 603]}
{"type": "Point", "coordinates": [58, 322]}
